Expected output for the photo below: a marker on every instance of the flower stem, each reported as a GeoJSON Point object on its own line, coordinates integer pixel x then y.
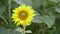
{"type": "Point", "coordinates": [23, 29]}
{"type": "Point", "coordinates": [44, 4]}
{"type": "Point", "coordinates": [9, 10]}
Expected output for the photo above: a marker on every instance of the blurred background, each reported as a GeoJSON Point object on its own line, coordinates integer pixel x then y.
{"type": "Point", "coordinates": [46, 21]}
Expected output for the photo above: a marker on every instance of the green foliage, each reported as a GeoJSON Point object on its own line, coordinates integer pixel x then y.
{"type": "Point", "coordinates": [46, 21]}
{"type": "Point", "coordinates": [58, 10]}
{"type": "Point", "coordinates": [49, 20]}
{"type": "Point", "coordinates": [2, 10]}
{"type": "Point", "coordinates": [9, 31]}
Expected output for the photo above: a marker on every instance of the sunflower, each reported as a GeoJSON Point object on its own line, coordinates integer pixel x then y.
{"type": "Point", "coordinates": [23, 15]}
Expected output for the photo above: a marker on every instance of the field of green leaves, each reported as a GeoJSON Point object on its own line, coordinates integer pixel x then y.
{"type": "Point", "coordinates": [46, 21]}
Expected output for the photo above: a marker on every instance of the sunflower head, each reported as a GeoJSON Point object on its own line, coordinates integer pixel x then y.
{"type": "Point", "coordinates": [23, 15]}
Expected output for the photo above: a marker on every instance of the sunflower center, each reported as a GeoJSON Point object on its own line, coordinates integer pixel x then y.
{"type": "Point", "coordinates": [23, 15]}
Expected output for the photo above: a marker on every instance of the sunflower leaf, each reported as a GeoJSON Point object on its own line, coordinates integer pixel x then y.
{"type": "Point", "coordinates": [27, 2]}
{"type": "Point", "coordinates": [28, 31]}
{"type": "Point", "coordinates": [9, 31]}
{"type": "Point", "coordinates": [36, 3]}
{"type": "Point", "coordinates": [49, 20]}
{"type": "Point", "coordinates": [58, 10]}
{"type": "Point", "coordinates": [37, 18]}
{"type": "Point", "coordinates": [55, 1]}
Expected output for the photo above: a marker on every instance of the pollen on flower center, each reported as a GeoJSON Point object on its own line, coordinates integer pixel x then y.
{"type": "Point", "coordinates": [23, 15]}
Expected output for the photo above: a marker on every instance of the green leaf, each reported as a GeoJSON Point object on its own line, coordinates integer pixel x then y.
{"type": "Point", "coordinates": [28, 31]}
{"type": "Point", "coordinates": [2, 29]}
{"type": "Point", "coordinates": [2, 9]}
{"type": "Point", "coordinates": [19, 29]}
{"type": "Point", "coordinates": [19, 2]}
{"type": "Point", "coordinates": [58, 10]}
{"type": "Point", "coordinates": [49, 20]}
{"type": "Point", "coordinates": [37, 3]}
{"type": "Point", "coordinates": [14, 5]}
{"type": "Point", "coordinates": [9, 31]}
{"type": "Point", "coordinates": [27, 2]}
{"type": "Point", "coordinates": [55, 1]}
{"type": "Point", "coordinates": [37, 18]}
